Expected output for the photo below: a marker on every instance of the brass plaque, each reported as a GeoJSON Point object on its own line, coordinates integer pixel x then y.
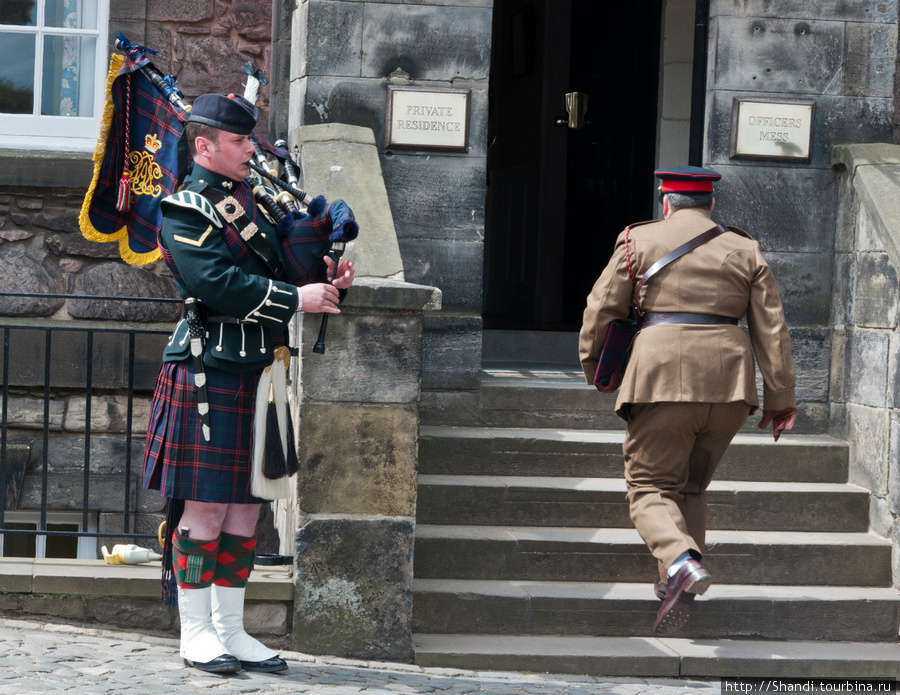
{"type": "Point", "coordinates": [427, 119]}
{"type": "Point", "coordinates": [778, 130]}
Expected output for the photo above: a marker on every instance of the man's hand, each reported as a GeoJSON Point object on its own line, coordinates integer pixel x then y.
{"type": "Point", "coordinates": [320, 298]}
{"type": "Point", "coordinates": [345, 273]}
{"type": "Point", "coordinates": [782, 420]}
{"type": "Point", "coordinates": [615, 381]}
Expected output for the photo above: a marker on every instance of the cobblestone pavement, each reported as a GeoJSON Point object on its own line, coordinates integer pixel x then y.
{"type": "Point", "coordinates": [50, 658]}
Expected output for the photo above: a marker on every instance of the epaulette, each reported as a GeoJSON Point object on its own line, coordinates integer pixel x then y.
{"type": "Point", "coordinates": [194, 201]}
{"type": "Point", "coordinates": [641, 224]}
{"type": "Point", "coordinates": [738, 230]}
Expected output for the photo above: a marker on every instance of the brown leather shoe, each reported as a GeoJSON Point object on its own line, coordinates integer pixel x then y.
{"type": "Point", "coordinates": [659, 588]}
{"type": "Point", "coordinates": [690, 580]}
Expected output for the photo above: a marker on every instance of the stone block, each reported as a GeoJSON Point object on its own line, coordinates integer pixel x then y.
{"type": "Point", "coordinates": [128, 10]}
{"type": "Point", "coordinates": [846, 210]}
{"type": "Point", "coordinates": [436, 197]}
{"type": "Point", "coordinates": [120, 280]}
{"type": "Point", "coordinates": [838, 420]}
{"type": "Point", "coordinates": [876, 299]}
{"type": "Point", "coordinates": [353, 592]}
{"type": "Point", "coordinates": [369, 358]}
{"type": "Point", "coordinates": [454, 267]}
{"type": "Point", "coordinates": [678, 22]}
{"type": "Point", "coordinates": [838, 120]}
{"type": "Point", "coordinates": [180, 11]}
{"type": "Point", "coordinates": [779, 55]}
{"type": "Point", "coordinates": [451, 352]}
{"type": "Point", "coordinates": [893, 396]}
{"type": "Point", "coordinates": [772, 204]}
{"type": "Point", "coordinates": [341, 161]}
{"type": "Point", "coordinates": [804, 282]}
{"type": "Point", "coordinates": [811, 348]}
{"type": "Point", "coordinates": [358, 459]}
{"type": "Point", "coordinates": [77, 245]}
{"type": "Point", "coordinates": [46, 169]}
{"type": "Point", "coordinates": [867, 237]}
{"type": "Point", "coordinates": [877, 190]}
{"type": "Point", "coordinates": [868, 433]}
{"type": "Point", "coordinates": [22, 273]}
{"type": "Point", "coordinates": [866, 367]}
{"type": "Point", "coordinates": [428, 43]}
{"type": "Point", "coordinates": [267, 619]}
{"type": "Point", "coordinates": [69, 357]}
{"type": "Point", "coordinates": [880, 519]}
{"type": "Point", "coordinates": [68, 607]}
{"type": "Point", "coordinates": [109, 413]}
{"type": "Point", "coordinates": [676, 102]}
{"type": "Point", "coordinates": [332, 41]}
{"type": "Point", "coordinates": [866, 10]}
{"type": "Point", "coordinates": [129, 613]}
{"type": "Point", "coordinates": [28, 413]}
{"type": "Point", "coordinates": [838, 360]}
{"type": "Point", "coordinates": [843, 284]}
{"type": "Point", "coordinates": [869, 59]}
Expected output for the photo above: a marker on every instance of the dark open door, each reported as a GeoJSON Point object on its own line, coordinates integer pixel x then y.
{"type": "Point", "coordinates": [558, 196]}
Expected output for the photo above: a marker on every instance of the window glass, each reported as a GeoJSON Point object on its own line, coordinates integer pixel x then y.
{"type": "Point", "coordinates": [62, 546]}
{"type": "Point", "coordinates": [19, 544]}
{"type": "Point", "coordinates": [17, 57]}
{"type": "Point", "coordinates": [21, 12]}
{"type": "Point", "coordinates": [67, 89]}
{"type": "Point", "coordinates": [72, 14]}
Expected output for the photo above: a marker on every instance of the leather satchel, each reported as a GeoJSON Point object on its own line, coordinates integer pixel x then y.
{"type": "Point", "coordinates": [620, 335]}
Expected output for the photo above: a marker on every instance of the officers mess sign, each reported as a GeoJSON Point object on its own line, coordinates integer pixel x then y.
{"type": "Point", "coordinates": [777, 130]}
{"type": "Point", "coordinates": [427, 119]}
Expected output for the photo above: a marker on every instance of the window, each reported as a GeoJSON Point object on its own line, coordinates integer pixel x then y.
{"type": "Point", "coordinates": [38, 546]}
{"type": "Point", "coordinates": [53, 67]}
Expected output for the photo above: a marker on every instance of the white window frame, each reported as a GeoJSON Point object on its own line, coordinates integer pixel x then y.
{"type": "Point", "coordinates": [87, 546]}
{"type": "Point", "coordinates": [61, 133]}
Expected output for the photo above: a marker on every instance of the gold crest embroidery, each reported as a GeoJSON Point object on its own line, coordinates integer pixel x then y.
{"type": "Point", "coordinates": [144, 174]}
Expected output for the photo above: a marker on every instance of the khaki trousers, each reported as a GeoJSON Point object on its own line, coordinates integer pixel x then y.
{"type": "Point", "coordinates": [671, 453]}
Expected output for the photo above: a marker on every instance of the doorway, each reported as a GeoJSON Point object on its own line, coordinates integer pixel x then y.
{"type": "Point", "coordinates": [560, 192]}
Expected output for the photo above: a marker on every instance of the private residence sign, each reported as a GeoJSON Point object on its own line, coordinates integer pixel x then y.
{"type": "Point", "coordinates": [427, 119]}
{"type": "Point", "coordinates": [778, 130]}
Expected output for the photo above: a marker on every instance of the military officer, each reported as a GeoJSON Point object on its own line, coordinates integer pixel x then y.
{"type": "Point", "coordinates": [248, 293]}
{"type": "Point", "coordinates": [690, 382]}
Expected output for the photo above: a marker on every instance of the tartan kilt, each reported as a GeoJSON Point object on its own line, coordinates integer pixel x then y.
{"type": "Point", "coordinates": [177, 460]}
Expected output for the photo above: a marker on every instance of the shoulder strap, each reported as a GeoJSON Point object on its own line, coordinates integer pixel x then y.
{"type": "Point", "coordinates": [194, 201]}
{"type": "Point", "coordinates": [674, 254]}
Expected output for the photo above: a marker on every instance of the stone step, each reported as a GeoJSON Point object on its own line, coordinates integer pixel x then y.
{"type": "Point", "coordinates": [574, 453]}
{"type": "Point", "coordinates": [656, 657]}
{"type": "Point", "coordinates": [458, 606]}
{"type": "Point", "coordinates": [600, 502]}
{"type": "Point", "coordinates": [552, 398]}
{"type": "Point", "coordinates": [619, 555]}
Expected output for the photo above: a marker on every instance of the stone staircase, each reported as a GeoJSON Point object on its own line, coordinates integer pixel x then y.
{"type": "Point", "coordinates": [525, 558]}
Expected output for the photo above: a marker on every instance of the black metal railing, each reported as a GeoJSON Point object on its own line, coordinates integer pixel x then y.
{"type": "Point", "coordinates": [52, 336]}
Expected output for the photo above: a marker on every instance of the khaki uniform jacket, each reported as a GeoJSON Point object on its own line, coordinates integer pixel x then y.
{"type": "Point", "coordinates": [727, 276]}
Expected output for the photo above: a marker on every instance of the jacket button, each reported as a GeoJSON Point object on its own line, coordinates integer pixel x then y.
{"type": "Point", "coordinates": [268, 302]}
{"type": "Point", "coordinates": [219, 348]}
{"type": "Point", "coordinates": [262, 350]}
{"type": "Point", "coordinates": [243, 354]}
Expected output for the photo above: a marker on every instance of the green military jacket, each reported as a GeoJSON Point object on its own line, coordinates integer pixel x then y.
{"type": "Point", "coordinates": [246, 311]}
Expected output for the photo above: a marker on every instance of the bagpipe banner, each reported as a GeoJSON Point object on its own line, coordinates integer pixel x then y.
{"type": "Point", "coordinates": [135, 162]}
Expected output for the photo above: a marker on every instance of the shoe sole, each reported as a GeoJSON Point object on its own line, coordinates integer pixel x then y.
{"type": "Point", "coordinates": [249, 666]}
{"type": "Point", "coordinates": [678, 609]}
{"type": "Point", "coordinates": [218, 668]}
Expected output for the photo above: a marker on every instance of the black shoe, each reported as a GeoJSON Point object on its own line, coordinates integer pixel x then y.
{"type": "Point", "coordinates": [272, 665]}
{"type": "Point", "coordinates": [221, 664]}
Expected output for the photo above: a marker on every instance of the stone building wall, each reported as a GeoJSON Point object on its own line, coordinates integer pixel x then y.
{"type": "Point", "coordinates": [865, 364]}
{"type": "Point", "coordinates": [345, 54]}
{"type": "Point", "coordinates": [842, 55]}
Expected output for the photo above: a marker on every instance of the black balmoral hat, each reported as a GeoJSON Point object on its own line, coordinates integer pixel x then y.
{"type": "Point", "coordinates": [687, 179]}
{"type": "Point", "coordinates": [225, 112]}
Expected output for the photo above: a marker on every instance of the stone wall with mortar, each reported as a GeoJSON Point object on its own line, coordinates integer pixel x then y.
{"type": "Point", "coordinates": [345, 54]}
{"type": "Point", "coordinates": [865, 359]}
{"type": "Point", "coordinates": [842, 55]}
